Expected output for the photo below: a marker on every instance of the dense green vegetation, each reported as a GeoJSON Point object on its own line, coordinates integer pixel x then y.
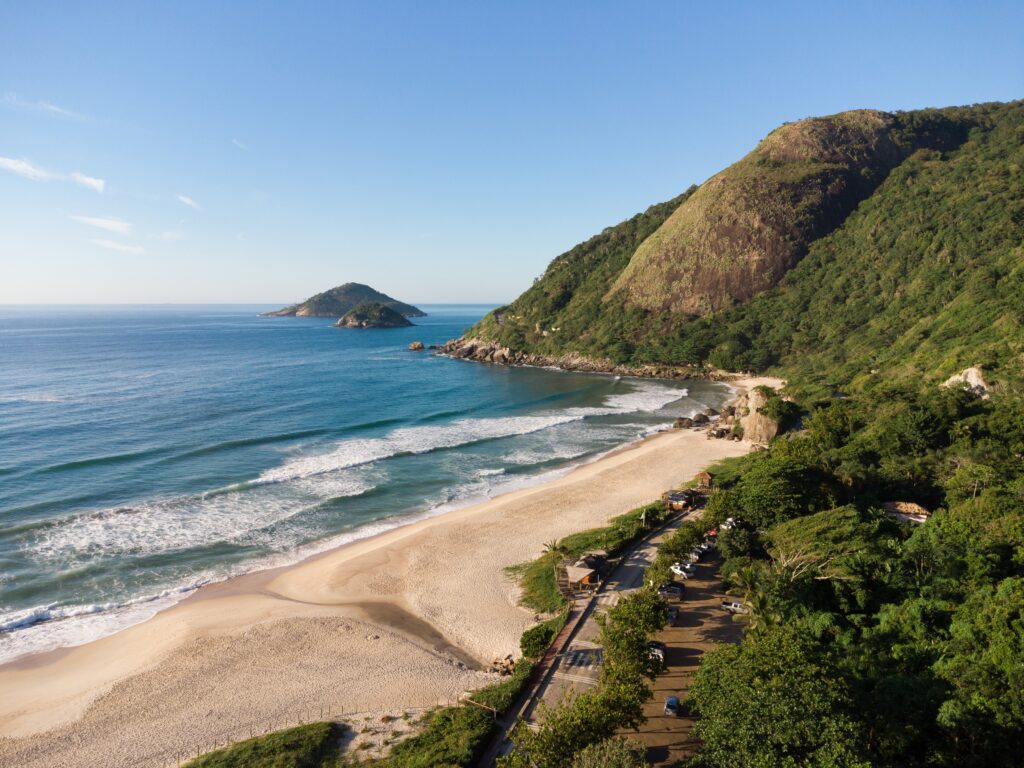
{"type": "Point", "coordinates": [307, 746]}
{"type": "Point", "coordinates": [372, 314]}
{"type": "Point", "coordinates": [924, 277]}
{"type": "Point", "coordinates": [874, 642]}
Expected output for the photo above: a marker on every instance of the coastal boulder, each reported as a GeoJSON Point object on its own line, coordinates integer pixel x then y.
{"type": "Point", "coordinates": [683, 423]}
{"type": "Point", "coordinates": [416, 346]}
{"type": "Point", "coordinates": [701, 418]}
{"type": "Point", "coordinates": [757, 427]}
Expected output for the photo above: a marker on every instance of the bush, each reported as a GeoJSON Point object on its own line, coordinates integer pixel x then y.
{"type": "Point", "coordinates": [454, 736]}
{"type": "Point", "coordinates": [307, 746]}
{"type": "Point", "coordinates": [535, 640]}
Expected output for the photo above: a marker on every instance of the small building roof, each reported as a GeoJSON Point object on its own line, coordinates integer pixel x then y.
{"type": "Point", "coordinates": [906, 511]}
{"type": "Point", "coordinates": [577, 574]}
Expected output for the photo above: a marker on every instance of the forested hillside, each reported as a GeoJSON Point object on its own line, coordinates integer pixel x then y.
{"type": "Point", "coordinates": [922, 277]}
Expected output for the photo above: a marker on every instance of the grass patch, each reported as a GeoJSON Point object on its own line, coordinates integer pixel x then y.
{"type": "Point", "coordinates": [538, 584]}
{"type": "Point", "coordinates": [308, 746]}
{"type": "Point", "coordinates": [454, 736]}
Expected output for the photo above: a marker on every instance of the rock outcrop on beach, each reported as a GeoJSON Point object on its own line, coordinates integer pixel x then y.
{"type": "Point", "coordinates": [372, 315]}
{"type": "Point", "coordinates": [757, 427]}
{"type": "Point", "coordinates": [489, 352]}
{"type": "Point", "coordinates": [338, 301]}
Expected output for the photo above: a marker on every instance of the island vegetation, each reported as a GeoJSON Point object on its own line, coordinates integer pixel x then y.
{"type": "Point", "coordinates": [338, 301]}
{"type": "Point", "coordinates": [372, 315]}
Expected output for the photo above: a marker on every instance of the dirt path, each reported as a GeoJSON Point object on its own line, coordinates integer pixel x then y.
{"type": "Point", "coordinates": [701, 625]}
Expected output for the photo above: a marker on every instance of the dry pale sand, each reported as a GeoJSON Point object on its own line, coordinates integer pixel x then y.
{"type": "Point", "coordinates": [387, 624]}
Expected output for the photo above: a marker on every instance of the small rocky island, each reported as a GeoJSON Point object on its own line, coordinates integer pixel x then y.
{"type": "Point", "coordinates": [372, 314]}
{"type": "Point", "coordinates": [337, 302]}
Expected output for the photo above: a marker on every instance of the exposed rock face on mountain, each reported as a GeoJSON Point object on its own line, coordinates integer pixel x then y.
{"type": "Point", "coordinates": [744, 228]}
{"type": "Point", "coordinates": [372, 315]}
{"type": "Point", "coordinates": [971, 379]}
{"type": "Point", "coordinates": [338, 301]}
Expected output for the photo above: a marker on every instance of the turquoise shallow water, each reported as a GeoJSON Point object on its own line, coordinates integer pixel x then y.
{"type": "Point", "coordinates": [145, 451]}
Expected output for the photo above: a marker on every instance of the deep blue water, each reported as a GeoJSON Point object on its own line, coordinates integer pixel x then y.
{"type": "Point", "coordinates": [145, 451]}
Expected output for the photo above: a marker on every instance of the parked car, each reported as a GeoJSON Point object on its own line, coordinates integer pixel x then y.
{"type": "Point", "coordinates": [672, 613]}
{"type": "Point", "coordinates": [686, 570]}
{"type": "Point", "coordinates": [657, 651]}
{"type": "Point", "coordinates": [672, 706]}
{"type": "Point", "coordinates": [734, 607]}
{"type": "Point", "coordinates": [730, 522]}
{"type": "Point", "coordinates": [671, 589]}
{"type": "Point", "coordinates": [696, 555]}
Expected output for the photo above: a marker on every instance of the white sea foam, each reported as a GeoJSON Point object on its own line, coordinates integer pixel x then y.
{"type": "Point", "coordinates": [253, 513]}
{"type": "Point", "coordinates": [47, 627]}
{"type": "Point", "coordinates": [642, 396]}
{"type": "Point", "coordinates": [188, 522]}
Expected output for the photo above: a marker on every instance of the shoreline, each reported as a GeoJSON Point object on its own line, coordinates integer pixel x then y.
{"type": "Point", "coordinates": [387, 622]}
{"type": "Point", "coordinates": [175, 596]}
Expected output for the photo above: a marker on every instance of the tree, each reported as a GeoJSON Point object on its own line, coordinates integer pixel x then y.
{"type": "Point", "coordinates": [780, 487]}
{"type": "Point", "coordinates": [611, 753]}
{"type": "Point", "coordinates": [984, 662]}
{"type": "Point", "coordinates": [738, 541]}
{"type": "Point", "coordinates": [776, 700]}
{"type": "Point", "coordinates": [565, 730]}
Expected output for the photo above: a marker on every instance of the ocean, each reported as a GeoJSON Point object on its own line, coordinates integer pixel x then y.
{"type": "Point", "coordinates": [146, 451]}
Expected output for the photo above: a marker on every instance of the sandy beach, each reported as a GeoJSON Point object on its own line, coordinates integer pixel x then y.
{"type": "Point", "coordinates": [392, 623]}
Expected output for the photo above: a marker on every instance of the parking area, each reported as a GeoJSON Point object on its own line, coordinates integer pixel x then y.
{"type": "Point", "coordinates": [702, 624]}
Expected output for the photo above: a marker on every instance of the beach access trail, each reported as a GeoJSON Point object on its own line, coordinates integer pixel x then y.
{"type": "Point", "coordinates": [389, 624]}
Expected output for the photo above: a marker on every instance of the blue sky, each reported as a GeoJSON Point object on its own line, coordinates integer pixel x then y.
{"type": "Point", "coordinates": [441, 152]}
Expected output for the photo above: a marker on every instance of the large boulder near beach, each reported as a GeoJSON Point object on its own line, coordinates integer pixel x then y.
{"type": "Point", "coordinates": [416, 346]}
{"type": "Point", "coordinates": [757, 427]}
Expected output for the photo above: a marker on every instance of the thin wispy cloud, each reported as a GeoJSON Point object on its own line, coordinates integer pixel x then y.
{"type": "Point", "coordinates": [15, 102]}
{"type": "Point", "coordinates": [119, 226]}
{"type": "Point", "coordinates": [188, 201]}
{"type": "Point", "coordinates": [239, 144]}
{"type": "Point", "coordinates": [88, 181]}
{"type": "Point", "coordinates": [26, 169]}
{"type": "Point", "coordinates": [111, 245]}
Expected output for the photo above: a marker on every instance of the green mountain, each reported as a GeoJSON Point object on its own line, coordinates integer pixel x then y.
{"type": "Point", "coordinates": [337, 301]}
{"type": "Point", "coordinates": [840, 249]}
{"type": "Point", "coordinates": [372, 315]}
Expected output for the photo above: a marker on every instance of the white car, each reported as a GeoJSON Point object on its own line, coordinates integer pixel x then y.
{"type": "Point", "coordinates": [685, 570]}
{"type": "Point", "coordinates": [734, 607]}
